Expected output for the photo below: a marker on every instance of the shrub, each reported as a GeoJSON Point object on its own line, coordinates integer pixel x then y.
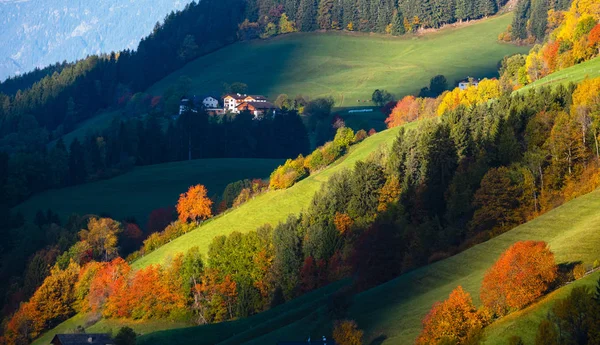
{"type": "Point", "coordinates": [344, 137]}
{"type": "Point", "coordinates": [372, 131]}
{"type": "Point", "coordinates": [331, 152]}
{"type": "Point", "coordinates": [521, 275]}
{"type": "Point", "coordinates": [244, 196]}
{"type": "Point", "coordinates": [360, 136]}
{"type": "Point", "coordinates": [171, 232]}
{"type": "Point", "coordinates": [347, 333]}
{"type": "Point", "coordinates": [578, 271]}
{"type": "Point", "coordinates": [315, 161]}
{"type": "Point", "coordinates": [289, 173]}
{"type": "Point", "coordinates": [159, 219]}
{"type": "Point", "coordinates": [126, 336]}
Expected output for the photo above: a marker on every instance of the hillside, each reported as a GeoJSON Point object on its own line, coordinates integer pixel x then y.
{"type": "Point", "coordinates": [525, 322]}
{"type": "Point", "coordinates": [36, 34]}
{"type": "Point", "coordinates": [349, 66]}
{"type": "Point", "coordinates": [271, 207]}
{"type": "Point", "coordinates": [573, 74]}
{"type": "Point", "coordinates": [138, 192]}
{"type": "Point", "coordinates": [392, 312]}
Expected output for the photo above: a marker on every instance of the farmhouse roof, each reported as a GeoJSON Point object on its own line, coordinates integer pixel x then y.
{"type": "Point", "coordinates": [258, 97]}
{"type": "Point", "coordinates": [82, 339]}
{"type": "Point", "coordinates": [258, 105]}
{"type": "Point", "coordinates": [235, 96]}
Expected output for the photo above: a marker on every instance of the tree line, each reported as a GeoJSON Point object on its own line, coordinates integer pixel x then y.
{"type": "Point", "coordinates": [265, 18]}
{"type": "Point", "coordinates": [154, 140]}
{"type": "Point", "coordinates": [566, 37]}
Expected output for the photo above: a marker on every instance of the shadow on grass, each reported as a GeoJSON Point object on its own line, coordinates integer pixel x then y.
{"type": "Point", "coordinates": [378, 340]}
{"type": "Point", "coordinates": [565, 274]}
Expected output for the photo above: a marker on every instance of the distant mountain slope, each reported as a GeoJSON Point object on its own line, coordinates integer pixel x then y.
{"type": "Point", "coordinates": [347, 66]}
{"type": "Point", "coordinates": [39, 33]}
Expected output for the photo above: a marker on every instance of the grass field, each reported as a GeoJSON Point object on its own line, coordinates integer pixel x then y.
{"type": "Point", "coordinates": [350, 66]}
{"type": "Point", "coordinates": [525, 322]}
{"type": "Point", "coordinates": [97, 123]}
{"type": "Point", "coordinates": [391, 313]}
{"type": "Point", "coordinates": [271, 207]}
{"type": "Point", "coordinates": [143, 189]}
{"type": "Point", "coordinates": [573, 74]}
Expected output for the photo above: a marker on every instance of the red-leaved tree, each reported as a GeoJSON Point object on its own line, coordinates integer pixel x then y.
{"type": "Point", "coordinates": [521, 275]}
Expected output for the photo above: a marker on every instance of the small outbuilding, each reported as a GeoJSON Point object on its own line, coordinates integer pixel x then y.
{"type": "Point", "coordinates": [82, 339]}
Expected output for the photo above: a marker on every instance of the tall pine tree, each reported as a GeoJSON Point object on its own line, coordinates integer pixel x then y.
{"type": "Point", "coordinates": [519, 24]}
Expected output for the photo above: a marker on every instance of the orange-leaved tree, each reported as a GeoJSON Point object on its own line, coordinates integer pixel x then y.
{"type": "Point", "coordinates": [453, 320]}
{"type": "Point", "coordinates": [342, 222]}
{"type": "Point", "coordinates": [521, 274]}
{"type": "Point", "coordinates": [346, 332]}
{"type": "Point", "coordinates": [194, 205]}
{"type": "Point", "coordinates": [406, 110]}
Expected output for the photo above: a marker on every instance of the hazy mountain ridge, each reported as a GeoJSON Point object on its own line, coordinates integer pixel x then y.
{"type": "Point", "coordinates": [39, 33]}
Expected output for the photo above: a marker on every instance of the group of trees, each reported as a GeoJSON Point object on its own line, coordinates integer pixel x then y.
{"type": "Point", "coordinates": [294, 170]}
{"type": "Point", "coordinates": [522, 274]}
{"type": "Point", "coordinates": [418, 201]}
{"type": "Point", "coordinates": [570, 35]}
{"type": "Point", "coordinates": [265, 18]}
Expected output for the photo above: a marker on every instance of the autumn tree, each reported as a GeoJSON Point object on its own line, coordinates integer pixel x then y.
{"type": "Point", "coordinates": [342, 222]}
{"type": "Point", "coordinates": [346, 332]}
{"type": "Point", "coordinates": [110, 277]}
{"type": "Point", "coordinates": [390, 192]}
{"type": "Point", "coordinates": [454, 319]}
{"type": "Point", "coordinates": [194, 205]}
{"type": "Point", "coordinates": [405, 111]}
{"type": "Point", "coordinates": [586, 109]}
{"type": "Point", "coordinates": [102, 235]}
{"type": "Point", "coordinates": [520, 276]}
{"type": "Point", "coordinates": [286, 25]}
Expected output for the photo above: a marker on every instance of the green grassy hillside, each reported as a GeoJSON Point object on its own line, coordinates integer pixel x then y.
{"type": "Point", "coordinates": [525, 322]}
{"type": "Point", "coordinates": [271, 207]}
{"type": "Point", "coordinates": [97, 123]}
{"type": "Point", "coordinates": [350, 66]}
{"type": "Point", "coordinates": [138, 192]}
{"type": "Point", "coordinates": [391, 313]}
{"type": "Point", "coordinates": [575, 74]}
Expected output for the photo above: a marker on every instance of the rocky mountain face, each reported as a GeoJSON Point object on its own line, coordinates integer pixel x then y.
{"type": "Point", "coordinates": [36, 33]}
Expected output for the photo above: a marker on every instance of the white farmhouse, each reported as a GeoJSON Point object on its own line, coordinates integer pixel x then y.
{"type": "Point", "coordinates": [464, 84]}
